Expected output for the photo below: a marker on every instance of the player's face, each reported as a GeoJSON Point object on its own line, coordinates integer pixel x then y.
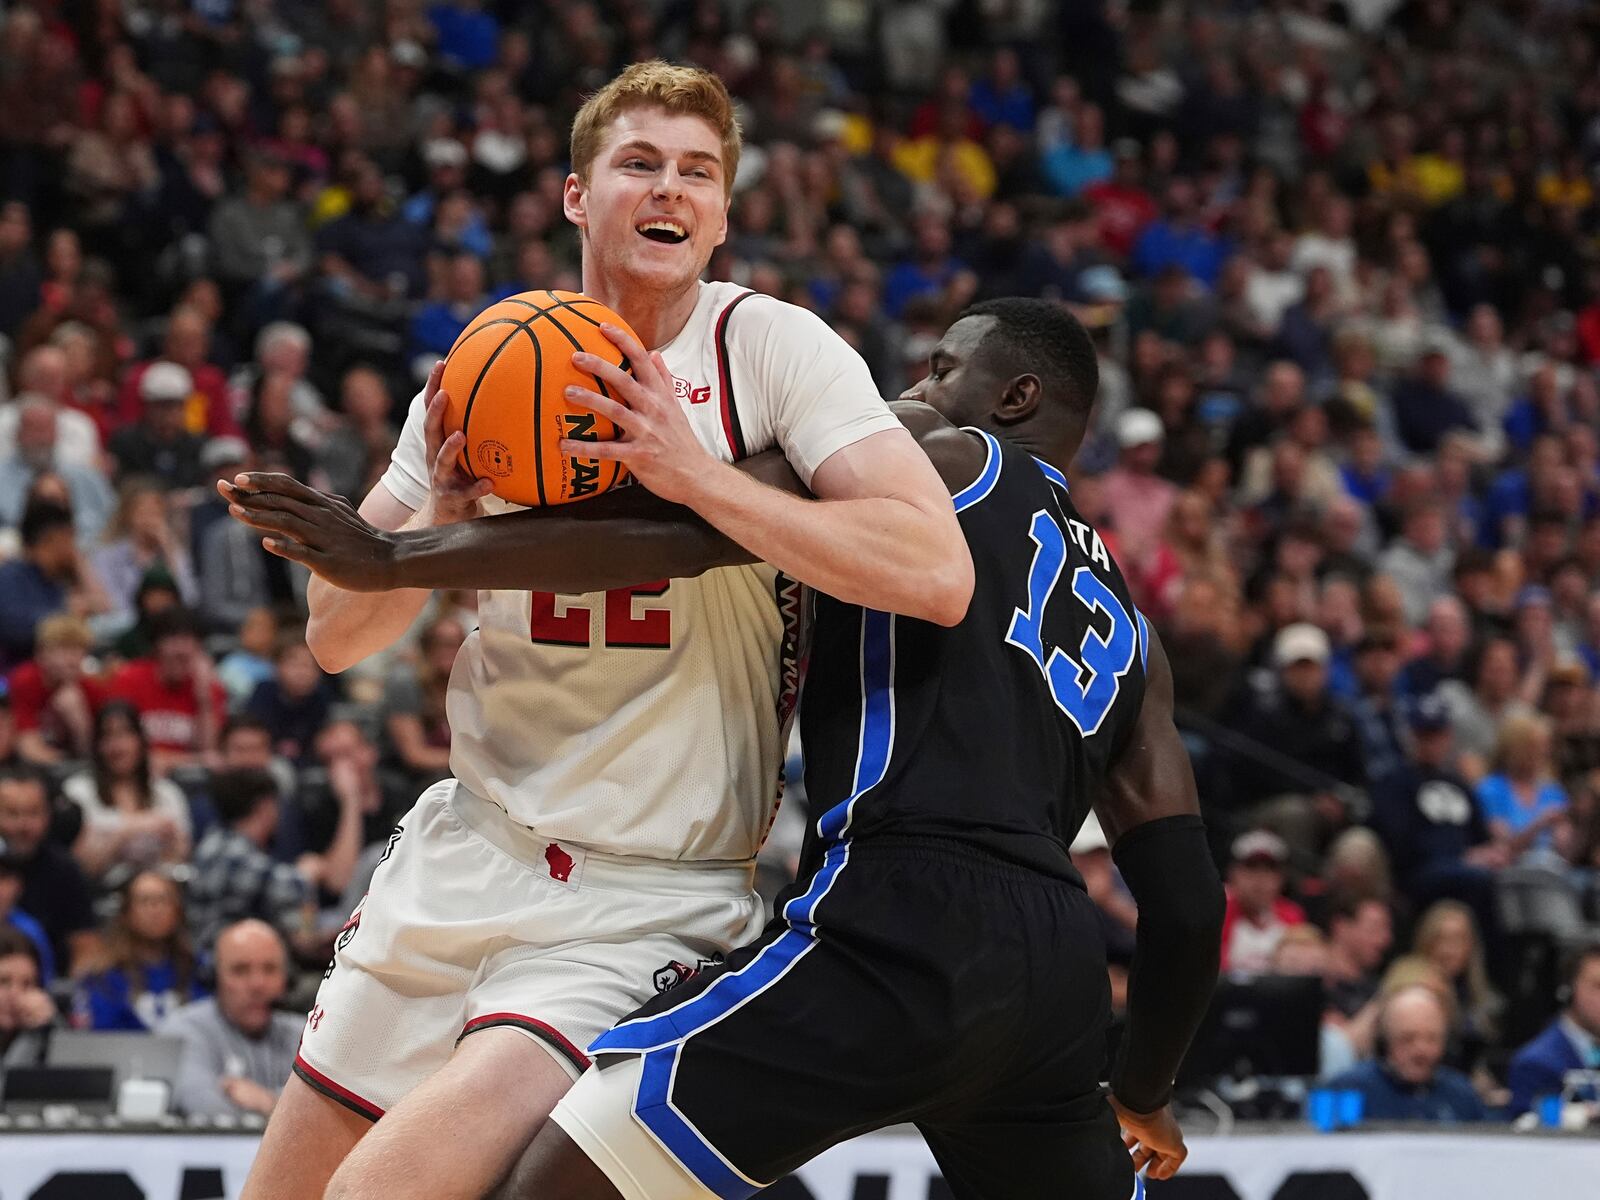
{"type": "Point", "coordinates": [958, 383]}
{"type": "Point", "coordinates": [655, 205]}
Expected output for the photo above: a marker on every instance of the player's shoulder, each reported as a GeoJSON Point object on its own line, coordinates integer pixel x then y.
{"type": "Point", "coordinates": [750, 319]}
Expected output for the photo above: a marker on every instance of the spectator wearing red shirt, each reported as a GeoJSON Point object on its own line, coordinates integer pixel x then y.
{"type": "Point", "coordinates": [53, 699]}
{"type": "Point", "coordinates": [181, 705]}
{"type": "Point", "coordinates": [205, 409]}
{"type": "Point", "coordinates": [1258, 912]}
{"type": "Point", "coordinates": [1122, 206]}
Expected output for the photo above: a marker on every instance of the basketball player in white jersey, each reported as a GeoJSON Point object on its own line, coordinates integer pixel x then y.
{"type": "Point", "coordinates": [616, 754]}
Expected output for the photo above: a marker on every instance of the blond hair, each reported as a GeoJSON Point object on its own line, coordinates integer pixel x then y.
{"type": "Point", "coordinates": [1483, 1003]}
{"type": "Point", "coordinates": [681, 91]}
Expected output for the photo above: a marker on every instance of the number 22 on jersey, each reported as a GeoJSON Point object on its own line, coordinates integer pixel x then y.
{"type": "Point", "coordinates": [624, 624]}
{"type": "Point", "coordinates": [1084, 687]}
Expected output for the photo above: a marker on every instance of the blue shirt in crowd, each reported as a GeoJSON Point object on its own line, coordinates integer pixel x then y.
{"type": "Point", "coordinates": [1445, 1099]}
{"type": "Point", "coordinates": [1500, 803]}
{"type": "Point", "coordinates": [109, 1001]}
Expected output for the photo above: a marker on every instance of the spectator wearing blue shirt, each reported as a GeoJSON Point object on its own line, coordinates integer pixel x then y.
{"type": "Point", "coordinates": [930, 270]}
{"type": "Point", "coordinates": [37, 584]}
{"type": "Point", "coordinates": [1425, 408]}
{"type": "Point", "coordinates": [11, 868]}
{"type": "Point", "coordinates": [148, 968]}
{"type": "Point", "coordinates": [446, 160]}
{"type": "Point", "coordinates": [1522, 799]}
{"type": "Point", "coordinates": [1003, 98]}
{"type": "Point", "coordinates": [1176, 238]}
{"type": "Point", "coordinates": [1589, 647]}
{"type": "Point", "coordinates": [1569, 1043]}
{"type": "Point", "coordinates": [436, 326]}
{"type": "Point", "coordinates": [1408, 1081]}
{"type": "Point", "coordinates": [1069, 167]}
{"type": "Point", "coordinates": [469, 38]}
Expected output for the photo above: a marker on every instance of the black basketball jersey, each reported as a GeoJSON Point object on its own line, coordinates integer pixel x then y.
{"type": "Point", "coordinates": [998, 731]}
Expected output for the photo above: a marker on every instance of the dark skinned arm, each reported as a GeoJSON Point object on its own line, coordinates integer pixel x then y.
{"type": "Point", "coordinates": [621, 539]}
{"type": "Point", "coordinates": [1151, 816]}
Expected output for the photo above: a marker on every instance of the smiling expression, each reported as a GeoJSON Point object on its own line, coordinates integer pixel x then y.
{"type": "Point", "coordinates": [655, 204]}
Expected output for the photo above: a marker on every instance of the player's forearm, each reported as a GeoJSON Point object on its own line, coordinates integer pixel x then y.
{"type": "Point", "coordinates": [625, 538]}
{"type": "Point", "coordinates": [1168, 868]}
{"type": "Point", "coordinates": [888, 553]}
{"type": "Point", "coordinates": [346, 627]}
{"type": "Point", "coordinates": [548, 550]}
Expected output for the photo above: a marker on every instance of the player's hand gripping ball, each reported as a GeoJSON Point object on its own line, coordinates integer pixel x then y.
{"type": "Point", "coordinates": [506, 379]}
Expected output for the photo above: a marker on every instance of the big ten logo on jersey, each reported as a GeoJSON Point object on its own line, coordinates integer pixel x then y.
{"type": "Point", "coordinates": [585, 471]}
{"type": "Point", "coordinates": [1084, 685]}
{"type": "Point", "coordinates": [627, 620]}
{"type": "Point", "coordinates": [684, 390]}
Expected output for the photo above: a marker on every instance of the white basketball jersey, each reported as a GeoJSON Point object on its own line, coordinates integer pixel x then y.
{"type": "Point", "coordinates": [653, 721]}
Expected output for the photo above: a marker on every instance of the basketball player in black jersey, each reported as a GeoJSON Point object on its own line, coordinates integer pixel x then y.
{"type": "Point", "coordinates": [938, 960]}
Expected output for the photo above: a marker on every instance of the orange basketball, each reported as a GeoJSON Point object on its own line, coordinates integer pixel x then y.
{"type": "Point", "coordinates": [507, 377]}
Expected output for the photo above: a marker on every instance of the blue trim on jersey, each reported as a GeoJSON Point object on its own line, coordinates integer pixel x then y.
{"type": "Point", "coordinates": [1053, 475]}
{"type": "Point", "coordinates": [875, 748]}
{"type": "Point", "coordinates": [987, 478]}
{"type": "Point", "coordinates": [1138, 1188]}
{"type": "Point", "coordinates": [1144, 640]}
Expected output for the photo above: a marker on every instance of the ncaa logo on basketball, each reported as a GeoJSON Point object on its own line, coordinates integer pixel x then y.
{"type": "Point", "coordinates": [585, 471]}
{"type": "Point", "coordinates": [494, 458]}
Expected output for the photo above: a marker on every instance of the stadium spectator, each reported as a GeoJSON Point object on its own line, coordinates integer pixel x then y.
{"type": "Point", "coordinates": [132, 817]}
{"type": "Point", "coordinates": [36, 454]}
{"type": "Point", "coordinates": [1409, 1080]}
{"type": "Point", "coordinates": [415, 724]}
{"type": "Point", "coordinates": [140, 538]}
{"type": "Point", "coordinates": [27, 1014]}
{"type": "Point", "coordinates": [293, 704]}
{"type": "Point", "coordinates": [147, 968]}
{"type": "Point", "coordinates": [1258, 913]}
{"type": "Point", "coordinates": [234, 876]}
{"type": "Point", "coordinates": [54, 697]}
{"type": "Point", "coordinates": [237, 1049]}
{"type": "Point", "coordinates": [16, 919]}
{"type": "Point", "coordinates": [1522, 799]}
{"type": "Point", "coordinates": [1360, 931]}
{"type": "Point", "coordinates": [54, 891]}
{"type": "Point", "coordinates": [42, 378]}
{"type": "Point", "coordinates": [1447, 937]}
{"type": "Point", "coordinates": [1569, 1043]}
{"type": "Point", "coordinates": [186, 343]}
{"type": "Point", "coordinates": [160, 443]}
{"type": "Point", "coordinates": [249, 663]}
{"type": "Point", "coordinates": [175, 690]}
{"type": "Point", "coordinates": [50, 577]}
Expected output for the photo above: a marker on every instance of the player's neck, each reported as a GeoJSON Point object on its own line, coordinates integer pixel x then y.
{"type": "Point", "coordinates": [656, 317]}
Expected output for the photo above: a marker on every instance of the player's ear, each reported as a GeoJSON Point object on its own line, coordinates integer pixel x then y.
{"type": "Point", "coordinates": [574, 201]}
{"type": "Point", "coordinates": [722, 233]}
{"type": "Point", "coordinates": [1020, 400]}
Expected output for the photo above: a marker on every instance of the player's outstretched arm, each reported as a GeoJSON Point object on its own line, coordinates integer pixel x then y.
{"type": "Point", "coordinates": [626, 537]}
{"type": "Point", "coordinates": [1151, 815]}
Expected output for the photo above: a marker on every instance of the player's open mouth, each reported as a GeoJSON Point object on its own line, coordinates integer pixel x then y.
{"type": "Point", "coordinates": [669, 233]}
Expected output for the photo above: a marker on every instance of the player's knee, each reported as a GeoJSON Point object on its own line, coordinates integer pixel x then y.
{"type": "Point", "coordinates": [553, 1168]}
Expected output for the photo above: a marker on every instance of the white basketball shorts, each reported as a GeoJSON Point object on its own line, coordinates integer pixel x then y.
{"type": "Point", "coordinates": [473, 921]}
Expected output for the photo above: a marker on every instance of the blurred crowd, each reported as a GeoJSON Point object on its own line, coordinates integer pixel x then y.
{"type": "Point", "coordinates": [1342, 265]}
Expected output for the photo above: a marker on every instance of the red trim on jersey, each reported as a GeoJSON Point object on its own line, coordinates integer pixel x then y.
{"type": "Point", "coordinates": [330, 1089]}
{"type": "Point", "coordinates": [534, 1026]}
{"type": "Point", "coordinates": [730, 411]}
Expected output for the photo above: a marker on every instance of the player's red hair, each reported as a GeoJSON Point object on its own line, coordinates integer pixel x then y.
{"type": "Point", "coordinates": [681, 91]}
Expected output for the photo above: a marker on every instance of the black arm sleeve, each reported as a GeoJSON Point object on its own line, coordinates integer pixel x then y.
{"type": "Point", "coordinates": [1167, 865]}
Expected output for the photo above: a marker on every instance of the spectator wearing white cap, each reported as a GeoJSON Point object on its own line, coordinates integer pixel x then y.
{"type": "Point", "coordinates": [1258, 913]}
{"type": "Point", "coordinates": [160, 444]}
{"type": "Point", "coordinates": [1137, 500]}
{"type": "Point", "coordinates": [1306, 740]}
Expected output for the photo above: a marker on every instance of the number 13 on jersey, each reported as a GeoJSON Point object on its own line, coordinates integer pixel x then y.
{"type": "Point", "coordinates": [1084, 687]}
